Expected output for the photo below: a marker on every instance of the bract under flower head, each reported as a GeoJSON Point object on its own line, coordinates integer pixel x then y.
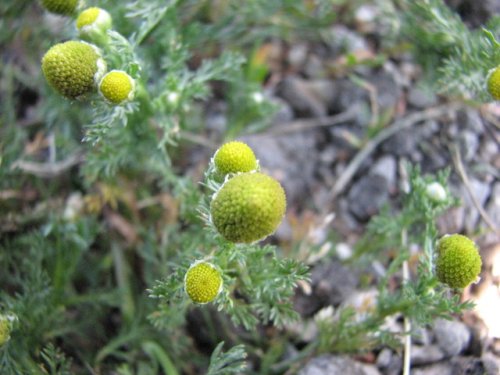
{"type": "Point", "coordinates": [117, 87]}
{"type": "Point", "coordinates": [248, 207]}
{"type": "Point", "coordinates": [72, 68]}
{"type": "Point", "coordinates": [458, 262]}
{"type": "Point", "coordinates": [62, 7]}
{"type": "Point", "coordinates": [203, 282]}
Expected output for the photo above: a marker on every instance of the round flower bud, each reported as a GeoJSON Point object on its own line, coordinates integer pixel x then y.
{"type": "Point", "coordinates": [72, 68]}
{"type": "Point", "coordinates": [63, 7]}
{"type": "Point", "coordinates": [435, 191]}
{"type": "Point", "coordinates": [458, 262]}
{"type": "Point", "coordinates": [234, 157]}
{"type": "Point", "coordinates": [203, 282]}
{"type": "Point", "coordinates": [248, 207]}
{"type": "Point", "coordinates": [93, 23]}
{"type": "Point", "coordinates": [494, 83]}
{"type": "Point", "coordinates": [117, 87]}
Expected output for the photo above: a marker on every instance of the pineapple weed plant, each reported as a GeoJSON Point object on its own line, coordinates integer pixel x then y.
{"type": "Point", "coordinates": [135, 76]}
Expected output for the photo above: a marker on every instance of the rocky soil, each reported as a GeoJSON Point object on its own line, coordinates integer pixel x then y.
{"type": "Point", "coordinates": [319, 146]}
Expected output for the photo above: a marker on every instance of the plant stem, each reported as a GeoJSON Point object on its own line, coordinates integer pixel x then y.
{"type": "Point", "coordinates": [407, 322]}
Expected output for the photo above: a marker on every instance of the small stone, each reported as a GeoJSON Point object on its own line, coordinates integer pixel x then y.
{"type": "Point", "coordinates": [452, 336]}
{"type": "Point", "coordinates": [388, 91]}
{"type": "Point", "coordinates": [402, 143]}
{"type": "Point", "coordinates": [389, 362]}
{"type": "Point", "coordinates": [421, 98]}
{"type": "Point", "coordinates": [471, 120]}
{"type": "Point", "coordinates": [384, 358]}
{"type": "Point", "coordinates": [491, 363]}
{"type": "Point", "coordinates": [469, 143]}
{"type": "Point", "coordinates": [421, 336]}
{"type": "Point", "coordinates": [333, 283]}
{"type": "Point", "coordinates": [331, 365]}
{"type": "Point", "coordinates": [299, 94]}
{"type": "Point", "coordinates": [386, 167]}
{"type": "Point", "coordinates": [473, 366]}
{"type": "Point", "coordinates": [423, 355]}
{"type": "Point", "coordinates": [367, 196]}
{"type": "Point", "coordinates": [351, 95]}
{"type": "Point", "coordinates": [297, 55]}
{"type": "Point", "coordinates": [435, 369]}
{"type": "Point", "coordinates": [341, 40]}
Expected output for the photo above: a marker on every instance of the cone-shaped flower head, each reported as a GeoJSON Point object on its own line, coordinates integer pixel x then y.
{"type": "Point", "coordinates": [494, 83]}
{"type": "Point", "coordinates": [93, 23]}
{"type": "Point", "coordinates": [234, 157]}
{"type": "Point", "coordinates": [117, 87]}
{"type": "Point", "coordinates": [203, 282]}
{"type": "Point", "coordinates": [458, 262]}
{"type": "Point", "coordinates": [72, 68]}
{"type": "Point", "coordinates": [63, 7]}
{"type": "Point", "coordinates": [248, 207]}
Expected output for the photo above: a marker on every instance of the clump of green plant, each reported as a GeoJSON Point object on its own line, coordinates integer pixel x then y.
{"type": "Point", "coordinates": [130, 79]}
{"type": "Point", "coordinates": [443, 267]}
{"type": "Point", "coordinates": [257, 285]}
{"type": "Point", "coordinates": [456, 58]}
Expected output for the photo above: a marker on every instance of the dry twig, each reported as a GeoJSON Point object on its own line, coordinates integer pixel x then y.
{"type": "Point", "coordinates": [457, 160]}
{"type": "Point", "coordinates": [386, 133]}
{"type": "Point", "coordinates": [49, 170]}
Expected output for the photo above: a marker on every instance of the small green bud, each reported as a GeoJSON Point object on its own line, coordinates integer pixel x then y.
{"type": "Point", "coordinates": [117, 87]}
{"type": "Point", "coordinates": [435, 191]}
{"type": "Point", "coordinates": [63, 7]}
{"type": "Point", "coordinates": [93, 24]}
{"type": "Point", "coordinates": [234, 157]}
{"type": "Point", "coordinates": [248, 207]}
{"type": "Point", "coordinates": [203, 282]}
{"type": "Point", "coordinates": [73, 68]}
{"type": "Point", "coordinates": [458, 262]}
{"type": "Point", "coordinates": [494, 83]}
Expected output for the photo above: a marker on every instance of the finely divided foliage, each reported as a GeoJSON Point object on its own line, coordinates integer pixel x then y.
{"type": "Point", "coordinates": [97, 243]}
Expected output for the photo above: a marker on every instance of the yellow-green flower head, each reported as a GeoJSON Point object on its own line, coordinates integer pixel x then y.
{"type": "Point", "coordinates": [6, 324]}
{"type": "Point", "coordinates": [63, 7]}
{"type": "Point", "coordinates": [494, 83]}
{"type": "Point", "coordinates": [72, 68]}
{"type": "Point", "coordinates": [117, 87]}
{"type": "Point", "coordinates": [93, 22]}
{"type": "Point", "coordinates": [234, 157]}
{"type": "Point", "coordinates": [203, 282]}
{"type": "Point", "coordinates": [248, 207]}
{"type": "Point", "coordinates": [458, 262]}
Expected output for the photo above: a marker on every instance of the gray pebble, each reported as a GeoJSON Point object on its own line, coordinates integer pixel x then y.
{"type": "Point", "coordinates": [452, 336]}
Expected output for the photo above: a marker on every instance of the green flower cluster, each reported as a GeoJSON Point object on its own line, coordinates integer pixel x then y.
{"type": "Point", "coordinates": [76, 68]}
{"type": "Point", "coordinates": [248, 207]}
